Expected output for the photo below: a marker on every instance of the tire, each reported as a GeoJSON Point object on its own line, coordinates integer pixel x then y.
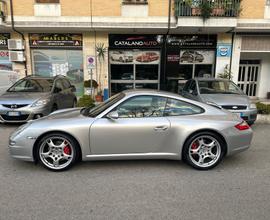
{"type": "Point", "coordinates": [204, 150]}
{"type": "Point", "coordinates": [57, 152]}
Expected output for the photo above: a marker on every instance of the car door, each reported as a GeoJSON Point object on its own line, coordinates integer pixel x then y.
{"type": "Point", "coordinates": [140, 128]}
{"type": "Point", "coordinates": [68, 94]}
{"type": "Point", "coordinates": [59, 95]}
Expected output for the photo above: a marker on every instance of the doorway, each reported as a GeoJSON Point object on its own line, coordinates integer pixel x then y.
{"type": "Point", "coordinates": [248, 76]}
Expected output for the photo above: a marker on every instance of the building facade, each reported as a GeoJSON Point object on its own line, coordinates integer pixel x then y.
{"type": "Point", "coordinates": [156, 44]}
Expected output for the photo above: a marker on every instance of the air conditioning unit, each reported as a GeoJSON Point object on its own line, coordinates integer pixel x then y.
{"type": "Point", "coordinates": [15, 44]}
{"type": "Point", "coordinates": [16, 56]}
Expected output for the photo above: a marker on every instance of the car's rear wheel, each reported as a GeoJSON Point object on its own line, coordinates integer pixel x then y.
{"type": "Point", "coordinates": [204, 150]}
{"type": "Point", "coordinates": [57, 152]}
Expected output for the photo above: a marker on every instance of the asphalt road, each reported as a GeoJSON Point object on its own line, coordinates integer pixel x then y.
{"type": "Point", "coordinates": [239, 188]}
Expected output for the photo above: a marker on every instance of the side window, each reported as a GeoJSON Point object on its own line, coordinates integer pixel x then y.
{"type": "Point", "coordinates": [65, 83]}
{"type": "Point", "coordinates": [176, 108]}
{"type": "Point", "coordinates": [187, 86]}
{"type": "Point", "coordinates": [58, 86]}
{"type": "Point", "coordinates": [193, 87]}
{"type": "Point", "coordinates": [142, 106]}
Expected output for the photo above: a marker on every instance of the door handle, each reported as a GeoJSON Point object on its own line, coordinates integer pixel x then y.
{"type": "Point", "coordinates": [161, 128]}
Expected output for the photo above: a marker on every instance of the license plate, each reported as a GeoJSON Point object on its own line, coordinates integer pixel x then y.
{"type": "Point", "coordinates": [240, 114]}
{"type": "Point", "coordinates": [13, 113]}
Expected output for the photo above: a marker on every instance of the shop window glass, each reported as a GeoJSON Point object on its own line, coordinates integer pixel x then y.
{"type": "Point", "coordinates": [146, 72]}
{"type": "Point", "coordinates": [119, 87]}
{"type": "Point", "coordinates": [122, 72]}
{"type": "Point", "coordinates": [60, 62]}
{"type": "Point", "coordinates": [142, 106]}
{"type": "Point", "coordinates": [146, 86]}
{"type": "Point", "coordinates": [176, 108]}
{"type": "Point", "coordinates": [203, 70]}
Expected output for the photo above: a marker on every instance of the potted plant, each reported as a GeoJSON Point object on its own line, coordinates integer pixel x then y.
{"type": "Point", "coordinates": [227, 74]}
{"type": "Point", "coordinates": [90, 86]}
{"type": "Point", "coordinates": [206, 9]}
{"type": "Point", "coordinates": [218, 9]}
{"type": "Point", "coordinates": [101, 52]}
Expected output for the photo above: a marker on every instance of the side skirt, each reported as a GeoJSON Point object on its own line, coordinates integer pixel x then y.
{"type": "Point", "coordinates": [132, 156]}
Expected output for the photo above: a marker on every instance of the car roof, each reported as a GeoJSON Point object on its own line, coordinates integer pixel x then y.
{"type": "Point", "coordinates": [131, 92]}
{"type": "Point", "coordinates": [44, 77]}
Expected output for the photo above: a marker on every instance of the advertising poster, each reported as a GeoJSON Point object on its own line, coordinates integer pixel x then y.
{"type": "Point", "coordinates": [134, 57]}
{"type": "Point", "coordinates": [196, 56]}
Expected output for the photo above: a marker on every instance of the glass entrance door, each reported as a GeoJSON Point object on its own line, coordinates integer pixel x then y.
{"type": "Point", "coordinates": [132, 69]}
{"type": "Point", "coordinates": [248, 77]}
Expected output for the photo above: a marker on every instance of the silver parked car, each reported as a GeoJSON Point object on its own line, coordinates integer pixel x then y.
{"type": "Point", "coordinates": [223, 93]}
{"type": "Point", "coordinates": [134, 124]}
{"type": "Point", "coordinates": [33, 97]}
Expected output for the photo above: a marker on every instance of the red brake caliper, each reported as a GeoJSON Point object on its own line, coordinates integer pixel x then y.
{"type": "Point", "coordinates": [195, 145]}
{"type": "Point", "coordinates": [67, 149]}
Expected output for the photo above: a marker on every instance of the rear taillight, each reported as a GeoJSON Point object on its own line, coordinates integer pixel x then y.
{"type": "Point", "coordinates": [242, 126]}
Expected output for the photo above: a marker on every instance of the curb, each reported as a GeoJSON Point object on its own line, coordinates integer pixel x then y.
{"type": "Point", "coordinates": [263, 119]}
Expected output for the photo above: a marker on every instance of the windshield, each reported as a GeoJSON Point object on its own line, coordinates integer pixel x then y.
{"type": "Point", "coordinates": [219, 87]}
{"type": "Point", "coordinates": [32, 85]}
{"type": "Point", "coordinates": [93, 112]}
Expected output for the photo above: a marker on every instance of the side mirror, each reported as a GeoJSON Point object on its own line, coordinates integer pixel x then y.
{"type": "Point", "coordinates": [73, 88]}
{"type": "Point", "coordinates": [113, 115]}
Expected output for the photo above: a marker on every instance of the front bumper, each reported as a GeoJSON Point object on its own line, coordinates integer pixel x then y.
{"type": "Point", "coordinates": [21, 147]}
{"type": "Point", "coordinates": [24, 114]}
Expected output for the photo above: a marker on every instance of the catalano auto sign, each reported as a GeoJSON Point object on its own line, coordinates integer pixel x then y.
{"type": "Point", "coordinates": [3, 40]}
{"type": "Point", "coordinates": [133, 41]}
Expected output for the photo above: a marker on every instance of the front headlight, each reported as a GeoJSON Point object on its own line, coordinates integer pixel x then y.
{"type": "Point", "coordinates": [252, 105]}
{"type": "Point", "coordinates": [40, 102]}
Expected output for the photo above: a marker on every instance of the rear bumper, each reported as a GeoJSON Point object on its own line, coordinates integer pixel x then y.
{"type": "Point", "coordinates": [238, 141]}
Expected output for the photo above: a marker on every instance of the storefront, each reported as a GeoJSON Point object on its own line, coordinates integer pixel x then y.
{"type": "Point", "coordinates": [58, 54]}
{"type": "Point", "coordinates": [189, 56]}
{"type": "Point", "coordinates": [5, 64]}
{"type": "Point", "coordinates": [134, 62]}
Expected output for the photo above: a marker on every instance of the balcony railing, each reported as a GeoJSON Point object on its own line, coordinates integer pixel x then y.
{"type": "Point", "coordinates": [218, 8]}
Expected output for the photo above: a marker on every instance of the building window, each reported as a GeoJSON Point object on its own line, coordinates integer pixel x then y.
{"type": "Point", "coordinates": [48, 1]}
{"type": "Point", "coordinates": [135, 2]}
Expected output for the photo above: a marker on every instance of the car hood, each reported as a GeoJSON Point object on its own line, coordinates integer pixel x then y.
{"type": "Point", "coordinates": [21, 97]}
{"type": "Point", "coordinates": [226, 99]}
{"type": "Point", "coordinates": [65, 114]}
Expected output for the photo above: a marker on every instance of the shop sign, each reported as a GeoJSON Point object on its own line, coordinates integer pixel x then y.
{"type": "Point", "coordinates": [192, 41]}
{"type": "Point", "coordinates": [4, 40]}
{"type": "Point", "coordinates": [135, 41]}
{"type": "Point", "coordinates": [55, 40]}
{"type": "Point", "coordinates": [224, 50]}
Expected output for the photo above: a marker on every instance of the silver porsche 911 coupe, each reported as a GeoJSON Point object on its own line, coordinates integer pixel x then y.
{"type": "Point", "coordinates": [134, 124]}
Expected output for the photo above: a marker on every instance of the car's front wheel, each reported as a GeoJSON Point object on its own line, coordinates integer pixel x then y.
{"type": "Point", "coordinates": [57, 152]}
{"type": "Point", "coordinates": [204, 150]}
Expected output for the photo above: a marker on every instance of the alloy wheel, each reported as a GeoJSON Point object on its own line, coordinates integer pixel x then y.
{"type": "Point", "coordinates": [204, 151]}
{"type": "Point", "coordinates": [56, 152]}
